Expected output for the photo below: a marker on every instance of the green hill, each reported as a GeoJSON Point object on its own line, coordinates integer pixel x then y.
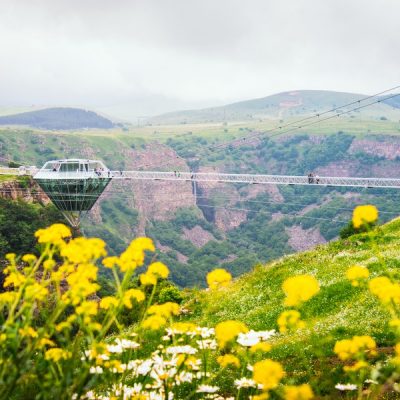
{"type": "Point", "coordinates": [339, 310]}
{"type": "Point", "coordinates": [286, 104]}
{"type": "Point", "coordinates": [58, 118]}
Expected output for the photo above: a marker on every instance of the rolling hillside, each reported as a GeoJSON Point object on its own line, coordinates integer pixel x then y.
{"type": "Point", "coordinates": [58, 118]}
{"type": "Point", "coordinates": [287, 104]}
{"type": "Point", "coordinates": [339, 310]}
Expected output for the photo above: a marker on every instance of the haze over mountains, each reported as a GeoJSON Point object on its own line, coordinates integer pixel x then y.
{"type": "Point", "coordinates": [280, 105]}
{"type": "Point", "coordinates": [277, 106]}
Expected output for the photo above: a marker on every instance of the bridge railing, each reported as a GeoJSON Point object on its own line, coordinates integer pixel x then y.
{"type": "Point", "coordinates": [258, 179]}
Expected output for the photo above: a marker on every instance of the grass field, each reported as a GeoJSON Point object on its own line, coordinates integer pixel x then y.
{"type": "Point", "coordinates": [339, 311]}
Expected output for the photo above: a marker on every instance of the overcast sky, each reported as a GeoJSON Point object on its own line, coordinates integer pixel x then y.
{"type": "Point", "coordinates": [150, 56]}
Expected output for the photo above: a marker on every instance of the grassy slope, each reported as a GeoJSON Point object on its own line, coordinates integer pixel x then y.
{"type": "Point", "coordinates": [338, 311]}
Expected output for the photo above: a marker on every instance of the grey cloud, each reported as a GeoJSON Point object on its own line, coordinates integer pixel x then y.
{"type": "Point", "coordinates": [102, 53]}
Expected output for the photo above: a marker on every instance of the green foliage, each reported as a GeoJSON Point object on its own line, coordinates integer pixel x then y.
{"type": "Point", "coordinates": [18, 222]}
{"type": "Point", "coordinates": [170, 293]}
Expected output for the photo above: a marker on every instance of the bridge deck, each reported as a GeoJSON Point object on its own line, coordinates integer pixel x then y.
{"type": "Point", "coordinates": [225, 178]}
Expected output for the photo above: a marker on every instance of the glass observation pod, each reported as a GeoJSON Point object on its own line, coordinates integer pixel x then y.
{"type": "Point", "coordinates": [73, 185]}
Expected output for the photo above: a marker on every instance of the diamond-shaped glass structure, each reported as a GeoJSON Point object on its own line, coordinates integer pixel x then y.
{"type": "Point", "coordinates": [73, 185]}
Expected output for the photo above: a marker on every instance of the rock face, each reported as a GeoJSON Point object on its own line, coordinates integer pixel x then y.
{"type": "Point", "coordinates": [341, 168]}
{"type": "Point", "coordinates": [224, 212]}
{"type": "Point", "coordinates": [303, 239]}
{"type": "Point", "coordinates": [158, 200]}
{"type": "Point", "coordinates": [30, 192]}
{"type": "Point", "coordinates": [389, 150]}
{"type": "Point", "coordinates": [197, 235]}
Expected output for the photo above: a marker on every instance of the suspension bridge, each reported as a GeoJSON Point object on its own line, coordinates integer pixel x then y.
{"type": "Point", "coordinates": [74, 185]}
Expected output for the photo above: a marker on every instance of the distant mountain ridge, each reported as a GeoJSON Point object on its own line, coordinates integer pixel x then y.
{"type": "Point", "coordinates": [286, 104]}
{"type": "Point", "coordinates": [58, 118]}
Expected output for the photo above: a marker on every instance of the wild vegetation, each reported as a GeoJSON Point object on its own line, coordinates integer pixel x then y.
{"type": "Point", "coordinates": [300, 328]}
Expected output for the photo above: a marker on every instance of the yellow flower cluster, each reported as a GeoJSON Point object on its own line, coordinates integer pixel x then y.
{"type": "Point", "coordinates": [159, 314]}
{"type": "Point", "coordinates": [83, 250]}
{"type": "Point", "coordinates": [385, 290]}
{"type": "Point", "coordinates": [218, 278]}
{"type": "Point", "coordinates": [261, 347]}
{"type": "Point", "coordinates": [268, 373]}
{"type": "Point", "coordinates": [134, 255]}
{"type": "Point", "coordinates": [299, 289]}
{"type": "Point", "coordinates": [356, 273]}
{"type": "Point", "coordinates": [355, 367]}
{"type": "Point", "coordinates": [154, 271]}
{"type": "Point", "coordinates": [290, 320]}
{"type": "Point", "coordinates": [302, 392]}
{"type": "Point", "coordinates": [364, 215]}
{"type": "Point", "coordinates": [356, 347]}
{"type": "Point", "coordinates": [56, 354]}
{"type": "Point", "coordinates": [183, 327]}
{"type": "Point", "coordinates": [135, 294]}
{"type": "Point", "coordinates": [228, 330]}
{"type": "Point", "coordinates": [159, 269]}
{"type": "Point", "coordinates": [227, 360]}
{"type": "Point", "coordinates": [55, 234]}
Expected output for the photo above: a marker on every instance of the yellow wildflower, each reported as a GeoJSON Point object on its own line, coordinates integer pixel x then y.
{"type": "Point", "coordinates": [56, 354]}
{"type": "Point", "coordinates": [11, 258]}
{"type": "Point", "coordinates": [49, 264]}
{"type": "Point", "coordinates": [46, 342]}
{"type": "Point", "coordinates": [87, 308]}
{"type": "Point", "coordinates": [7, 297]}
{"type": "Point", "coordinates": [110, 262]}
{"type": "Point", "coordinates": [108, 302]}
{"type": "Point", "coordinates": [67, 324]}
{"type": "Point", "coordinates": [81, 283]}
{"type": "Point", "coordinates": [14, 278]}
{"type": "Point", "coordinates": [385, 290]}
{"type": "Point", "coordinates": [357, 366]}
{"type": "Point", "coordinates": [83, 250]}
{"type": "Point", "coordinates": [154, 322]}
{"type": "Point", "coordinates": [364, 214]}
{"type": "Point", "coordinates": [228, 330]}
{"type": "Point", "coordinates": [218, 278]}
{"type": "Point", "coordinates": [299, 289]}
{"type": "Point", "coordinates": [302, 392]}
{"type": "Point", "coordinates": [183, 327]}
{"type": "Point", "coordinates": [262, 396]}
{"type": "Point", "coordinates": [165, 310]}
{"type": "Point", "coordinates": [134, 255]}
{"type": "Point", "coordinates": [130, 294]}
{"type": "Point", "coordinates": [28, 331]}
{"type": "Point", "coordinates": [36, 292]}
{"type": "Point", "coordinates": [290, 320]}
{"type": "Point", "coordinates": [228, 359]}
{"type": "Point", "coordinates": [158, 269]}
{"type": "Point", "coordinates": [355, 347]}
{"type": "Point", "coordinates": [262, 347]}
{"type": "Point", "coordinates": [29, 258]}
{"type": "Point", "coordinates": [356, 273]}
{"type": "Point", "coordinates": [268, 373]}
{"type": "Point", "coordinates": [54, 234]}
{"type": "Point", "coordinates": [148, 279]}
{"type": "Point", "coordinates": [395, 323]}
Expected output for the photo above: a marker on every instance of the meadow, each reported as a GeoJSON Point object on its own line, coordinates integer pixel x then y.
{"type": "Point", "coordinates": [313, 325]}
